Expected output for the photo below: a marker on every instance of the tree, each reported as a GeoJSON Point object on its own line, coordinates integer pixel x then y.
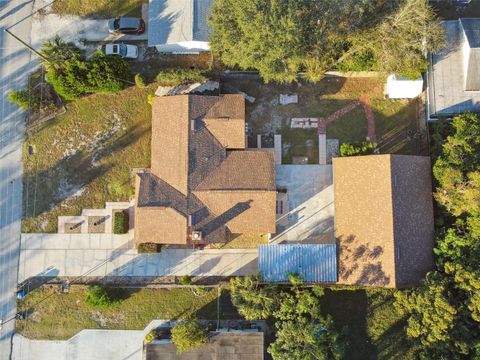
{"type": "Point", "coordinates": [57, 51]}
{"type": "Point", "coordinates": [100, 74]}
{"type": "Point", "coordinates": [399, 43]}
{"type": "Point", "coordinates": [280, 38]}
{"type": "Point", "coordinates": [304, 339]}
{"type": "Point", "coordinates": [457, 169]}
{"type": "Point", "coordinates": [253, 301]}
{"type": "Point", "coordinates": [188, 335]}
{"type": "Point", "coordinates": [97, 296]}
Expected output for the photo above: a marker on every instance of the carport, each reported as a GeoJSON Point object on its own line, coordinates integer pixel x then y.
{"type": "Point", "coordinates": [308, 193]}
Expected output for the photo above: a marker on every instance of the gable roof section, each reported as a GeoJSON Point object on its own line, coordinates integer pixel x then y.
{"type": "Point", "coordinates": [242, 170]}
{"type": "Point", "coordinates": [229, 132]}
{"type": "Point", "coordinates": [383, 219]}
{"type": "Point", "coordinates": [170, 126]}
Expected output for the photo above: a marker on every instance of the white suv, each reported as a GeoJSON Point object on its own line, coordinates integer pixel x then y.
{"type": "Point", "coordinates": [123, 50]}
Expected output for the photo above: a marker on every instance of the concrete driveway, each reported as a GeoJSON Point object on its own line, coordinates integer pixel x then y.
{"type": "Point", "coordinates": [87, 345]}
{"type": "Point", "coordinates": [114, 255]}
{"type": "Point", "coordinates": [73, 28]}
{"type": "Point", "coordinates": [309, 190]}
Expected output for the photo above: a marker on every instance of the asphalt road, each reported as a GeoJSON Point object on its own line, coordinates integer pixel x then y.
{"type": "Point", "coordinates": [15, 63]}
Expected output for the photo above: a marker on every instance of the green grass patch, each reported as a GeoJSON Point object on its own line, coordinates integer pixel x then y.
{"type": "Point", "coordinates": [85, 157]}
{"type": "Point", "coordinates": [99, 8]}
{"type": "Point", "coordinates": [375, 328]}
{"type": "Point", "coordinates": [179, 76]}
{"type": "Point", "coordinates": [53, 315]}
{"type": "Point", "coordinates": [120, 222]}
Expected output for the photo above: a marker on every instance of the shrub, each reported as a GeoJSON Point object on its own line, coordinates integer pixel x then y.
{"type": "Point", "coordinates": [175, 77]}
{"type": "Point", "coordinates": [152, 335]}
{"type": "Point", "coordinates": [361, 61]}
{"type": "Point", "coordinates": [120, 222]}
{"type": "Point", "coordinates": [21, 98]}
{"type": "Point", "coordinates": [97, 296]}
{"type": "Point", "coordinates": [296, 279]}
{"type": "Point", "coordinates": [148, 248]}
{"type": "Point", "coordinates": [188, 335]}
{"type": "Point", "coordinates": [100, 74]}
{"type": "Point", "coordinates": [150, 99]}
{"type": "Point", "coordinates": [139, 81]}
{"type": "Point", "coordinates": [361, 148]}
{"type": "Point", "coordinates": [185, 280]}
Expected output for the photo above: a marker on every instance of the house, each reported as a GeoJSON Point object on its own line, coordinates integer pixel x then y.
{"type": "Point", "coordinates": [383, 219]}
{"type": "Point", "coordinates": [454, 77]}
{"type": "Point", "coordinates": [179, 26]}
{"type": "Point", "coordinates": [203, 184]}
{"type": "Point", "coordinates": [241, 345]}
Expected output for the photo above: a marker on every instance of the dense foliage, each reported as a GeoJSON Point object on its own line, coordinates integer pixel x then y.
{"type": "Point", "coordinates": [72, 76]}
{"type": "Point", "coordinates": [444, 313]}
{"type": "Point", "coordinates": [281, 38]}
{"type": "Point", "coordinates": [188, 335]}
{"type": "Point", "coordinates": [354, 149]}
{"type": "Point", "coordinates": [21, 98]}
{"type": "Point", "coordinates": [302, 331]}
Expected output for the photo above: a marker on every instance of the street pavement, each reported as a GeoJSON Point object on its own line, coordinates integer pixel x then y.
{"type": "Point", "coordinates": [102, 255]}
{"type": "Point", "coordinates": [15, 63]}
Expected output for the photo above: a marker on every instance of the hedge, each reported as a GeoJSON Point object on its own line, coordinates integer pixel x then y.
{"type": "Point", "coordinates": [120, 222]}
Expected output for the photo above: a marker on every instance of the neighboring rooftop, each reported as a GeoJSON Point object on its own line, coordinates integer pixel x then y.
{"type": "Point", "coordinates": [454, 78]}
{"type": "Point", "coordinates": [202, 178]}
{"type": "Point", "coordinates": [383, 219]}
{"type": "Point", "coordinates": [221, 345]}
{"type": "Point", "coordinates": [177, 24]}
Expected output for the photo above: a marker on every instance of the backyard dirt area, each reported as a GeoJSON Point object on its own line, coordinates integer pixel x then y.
{"type": "Point", "coordinates": [347, 104]}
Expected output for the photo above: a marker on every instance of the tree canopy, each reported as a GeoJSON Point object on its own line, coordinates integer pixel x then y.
{"type": "Point", "coordinates": [444, 313]}
{"type": "Point", "coordinates": [302, 332]}
{"type": "Point", "coordinates": [188, 335]}
{"type": "Point", "coordinates": [280, 38]}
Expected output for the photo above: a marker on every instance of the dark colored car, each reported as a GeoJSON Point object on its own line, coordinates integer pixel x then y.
{"type": "Point", "coordinates": [126, 25]}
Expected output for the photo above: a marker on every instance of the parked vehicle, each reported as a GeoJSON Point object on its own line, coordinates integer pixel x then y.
{"type": "Point", "coordinates": [122, 50]}
{"type": "Point", "coordinates": [126, 25]}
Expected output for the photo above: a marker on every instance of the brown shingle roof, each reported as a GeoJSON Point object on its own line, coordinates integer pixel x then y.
{"type": "Point", "coordinates": [170, 140]}
{"type": "Point", "coordinates": [383, 219]}
{"type": "Point", "coordinates": [190, 135]}
{"type": "Point", "coordinates": [242, 170]}
{"type": "Point", "coordinates": [229, 132]}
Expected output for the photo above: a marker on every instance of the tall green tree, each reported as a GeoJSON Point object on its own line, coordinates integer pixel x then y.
{"type": "Point", "coordinates": [57, 51]}
{"type": "Point", "coordinates": [188, 335]}
{"type": "Point", "coordinates": [457, 169]}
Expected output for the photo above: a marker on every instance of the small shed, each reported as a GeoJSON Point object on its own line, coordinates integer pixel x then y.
{"type": "Point", "coordinates": [316, 263]}
{"type": "Point", "coordinates": [403, 88]}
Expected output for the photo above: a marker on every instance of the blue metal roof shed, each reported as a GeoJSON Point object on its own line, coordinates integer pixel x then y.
{"type": "Point", "coordinates": [316, 263]}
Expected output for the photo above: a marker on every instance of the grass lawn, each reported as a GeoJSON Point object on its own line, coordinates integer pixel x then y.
{"type": "Point", "coordinates": [375, 329]}
{"type": "Point", "coordinates": [53, 315]}
{"type": "Point", "coordinates": [85, 157]}
{"type": "Point", "coordinates": [99, 8]}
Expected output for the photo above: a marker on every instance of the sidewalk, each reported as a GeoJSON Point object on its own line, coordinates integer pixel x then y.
{"type": "Point", "coordinates": [114, 255]}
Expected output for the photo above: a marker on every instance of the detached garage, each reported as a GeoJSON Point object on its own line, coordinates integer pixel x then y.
{"type": "Point", "coordinates": [179, 26]}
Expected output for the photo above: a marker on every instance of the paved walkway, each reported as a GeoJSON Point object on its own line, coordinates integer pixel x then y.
{"type": "Point", "coordinates": [86, 345]}
{"type": "Point", "coordinates": [15, 64]}
{"type": "Point", "coordinates": [114, 255]}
